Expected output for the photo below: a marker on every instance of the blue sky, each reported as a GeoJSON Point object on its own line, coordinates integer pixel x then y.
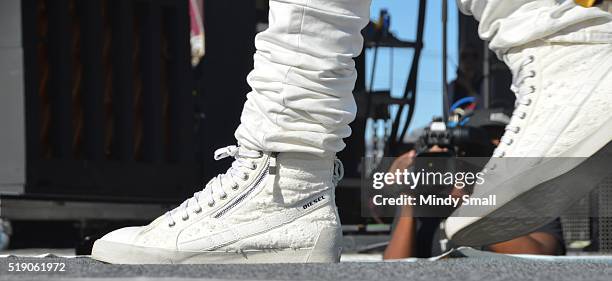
{"type": "Point", "coordinates": [403, 24]}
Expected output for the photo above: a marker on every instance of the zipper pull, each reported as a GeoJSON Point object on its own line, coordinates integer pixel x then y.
{"type": "Point", "coordinates": [272, 169]}
{"type": "Point", "coordinates": [338, 173]}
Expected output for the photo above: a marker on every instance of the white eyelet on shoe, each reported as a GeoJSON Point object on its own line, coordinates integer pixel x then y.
{"type": "Point", "coordinates": [223, 197]}
{"type": "Point", "coordinates": [531, 58]}
{"type": "Point", "coordinates": [211, 204]}
{"type": "Point", "coordinates": [185, 218]}
{"type": "Point", "coordinates": [235, 187]}
{"type": "Point", "coordinates": [533, 89]}
{"type": "Point", "coordinates": [171, 224]}
{"type": "Point", "coordinates": [513, 129]}
{"type": "Point", "coordinates": [198, 210]}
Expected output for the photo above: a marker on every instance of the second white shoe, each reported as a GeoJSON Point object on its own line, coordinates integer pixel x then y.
{"type": "Point", "coordinates": [556, 147]}
{"type": "Point", "coordinates": [267, 208]}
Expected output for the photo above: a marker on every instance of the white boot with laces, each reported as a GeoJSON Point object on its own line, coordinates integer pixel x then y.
{"type": "Point", "coordinates": [268, 207]}
{"type": "Point", "coordinates": [553, 149]}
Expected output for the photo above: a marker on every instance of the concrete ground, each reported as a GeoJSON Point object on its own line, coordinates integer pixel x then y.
{"type": "Point", "coordinates": [476, 266]}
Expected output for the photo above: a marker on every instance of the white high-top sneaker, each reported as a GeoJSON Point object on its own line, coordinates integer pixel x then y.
{"type": "Point", "coordinates": [267, 208]}
{"type": "Point", "coordinates": [563, 110]}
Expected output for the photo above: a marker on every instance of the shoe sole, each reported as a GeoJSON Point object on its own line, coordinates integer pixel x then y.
{"type": "Point", "coordinates": [324, 251]}
{"type": "Point", "coordinates": [529, 209]}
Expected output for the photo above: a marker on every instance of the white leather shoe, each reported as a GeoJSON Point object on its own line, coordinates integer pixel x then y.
{"type": "Point", "coordinates": [563, 110]}
{"type": "Point", "coordinates": [267, 208]}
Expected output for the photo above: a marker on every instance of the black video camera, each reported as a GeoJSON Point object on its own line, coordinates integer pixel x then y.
{"type": "Point", "coordinates": [465, 141]}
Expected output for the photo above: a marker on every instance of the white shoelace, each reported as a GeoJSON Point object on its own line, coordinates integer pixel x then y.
{"type": "Point", "coordinates": [242, 165]}
{"type": "Point", "coordinates": [523, 92]}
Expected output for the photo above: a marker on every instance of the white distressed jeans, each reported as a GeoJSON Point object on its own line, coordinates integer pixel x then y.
{"type": "Point", "coordinates": [304, 74]}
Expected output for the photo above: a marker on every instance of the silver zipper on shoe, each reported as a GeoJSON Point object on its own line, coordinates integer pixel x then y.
{"type": "Point", "coordinates": [246, 193]}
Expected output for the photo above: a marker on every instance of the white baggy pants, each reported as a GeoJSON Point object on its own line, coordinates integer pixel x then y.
{"type": "Point", "coordinates": [303, 77]}
{"type": "Point", "coordinates": [512, 23]}
{"type": "Point", "coordinates": [304, 73]}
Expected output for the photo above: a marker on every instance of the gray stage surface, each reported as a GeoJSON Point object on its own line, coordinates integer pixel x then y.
{"type": "Point", "coordinates": [474, 267]}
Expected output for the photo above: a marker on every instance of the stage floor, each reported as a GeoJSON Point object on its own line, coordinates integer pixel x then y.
{"type": "Point", "coordinates": [354, 267]}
